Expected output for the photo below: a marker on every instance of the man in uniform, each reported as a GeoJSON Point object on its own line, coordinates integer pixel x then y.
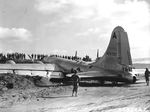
{"type": "Point", "coordinates": [75, 82]}
{"type": "Point", "coordinates": [147, 76]}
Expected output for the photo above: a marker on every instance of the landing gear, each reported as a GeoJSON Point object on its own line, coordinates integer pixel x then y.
{"type": "Point", "coordinates": [47, 73]}
{"type": "Point", "coordinates": [134, 79]}
{"type": "Point", "coordinates": [14, 72]}
{"type": "Point", "coordinates": [102, 82]}
{"type": "Point", "coordinates": [114, 83]}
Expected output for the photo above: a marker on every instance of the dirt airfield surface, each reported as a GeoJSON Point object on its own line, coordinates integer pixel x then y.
{"type": "Point", "coordinates": [91, 98]}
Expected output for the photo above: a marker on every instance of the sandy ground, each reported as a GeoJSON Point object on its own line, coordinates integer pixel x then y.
{"type": "Point", "coordinates": [107, 98]}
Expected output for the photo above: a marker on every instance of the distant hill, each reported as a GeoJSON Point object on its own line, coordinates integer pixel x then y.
{"type": "Point", "coordinates": [141, 60]}
{"type": "Point", "coordinates": [141, 65]}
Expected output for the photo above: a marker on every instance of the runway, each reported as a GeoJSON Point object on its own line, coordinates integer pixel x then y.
{"type": "Point", "coordinates": [107, 98]}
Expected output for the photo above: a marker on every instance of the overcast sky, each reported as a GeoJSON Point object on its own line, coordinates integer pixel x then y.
{"type": "Point", "coordinates": [63, 26]}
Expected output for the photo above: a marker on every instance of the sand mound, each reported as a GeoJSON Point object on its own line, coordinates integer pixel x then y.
{"type": "Point", "coordinates": [14, 81]}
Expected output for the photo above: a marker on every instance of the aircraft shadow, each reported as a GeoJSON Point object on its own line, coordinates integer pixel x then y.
{"type": "Point", "coordinates": [104, 85]}
{"type": "Point", "coordinates": [139, 82]}
{"type": "Point", "coordinates": [50, 85]}
{"type": "Point", "coordinates": [55, 96]}
{"type": "Point", "coordinates": [87, 84]}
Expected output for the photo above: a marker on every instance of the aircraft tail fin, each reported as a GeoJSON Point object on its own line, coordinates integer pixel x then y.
{"type": "Point", "coordinates": [118, 51]}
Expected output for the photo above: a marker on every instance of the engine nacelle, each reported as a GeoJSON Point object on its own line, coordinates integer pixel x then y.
{"type": "Point", "coordinates": [57, 75]}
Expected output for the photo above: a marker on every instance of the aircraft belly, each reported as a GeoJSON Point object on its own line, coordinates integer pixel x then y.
{"type": "Point", "coordinates": [96, 74]}
{"type": "Point", "coordinates": [107, 76]}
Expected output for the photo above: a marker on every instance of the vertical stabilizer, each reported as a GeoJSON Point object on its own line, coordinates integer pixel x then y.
{"type": "Point", "coordinates": [118, 51]}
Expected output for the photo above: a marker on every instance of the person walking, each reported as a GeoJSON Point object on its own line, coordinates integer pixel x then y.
{"type": "Point", "coordinates": [147, 76]}
{"type": "Point", "coordinates": [75, 82]}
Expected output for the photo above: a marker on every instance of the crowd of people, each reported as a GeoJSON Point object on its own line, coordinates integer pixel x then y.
{"type": "Point", "coordinates": [67, 57]}
{"type": "Point", "coordinates": [22, 57]}
{"type": "Point", "coordinates": [12, 56]}
{"type": "Point", "coordinates": [37, 56]}
{"type": "Point", "coordinates": [86, 58]}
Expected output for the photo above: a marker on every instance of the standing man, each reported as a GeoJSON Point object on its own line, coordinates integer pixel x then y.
{"type": "Point", "coordinates": [75, 82]}
{"type": "Point", "coordinates": [147, 76]}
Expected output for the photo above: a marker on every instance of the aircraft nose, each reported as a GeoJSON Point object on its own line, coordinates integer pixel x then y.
{"type": "Point", "coordinates": [48, 60]}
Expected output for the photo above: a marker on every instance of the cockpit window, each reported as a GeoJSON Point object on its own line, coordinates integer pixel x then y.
{"type": "Point", "coordinates": [127, 69]}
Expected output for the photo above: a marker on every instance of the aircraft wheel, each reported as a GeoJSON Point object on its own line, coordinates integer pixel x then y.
{"type": "Point", "coordinates": [102, 82]}
{"type": "Point", "coordinates": [134, 79]}
{"type": "Point", "coordinates": [114, 83]}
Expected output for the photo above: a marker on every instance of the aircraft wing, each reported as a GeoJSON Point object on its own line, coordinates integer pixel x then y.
{"type": "Point", "coordinates": [29, 67]}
